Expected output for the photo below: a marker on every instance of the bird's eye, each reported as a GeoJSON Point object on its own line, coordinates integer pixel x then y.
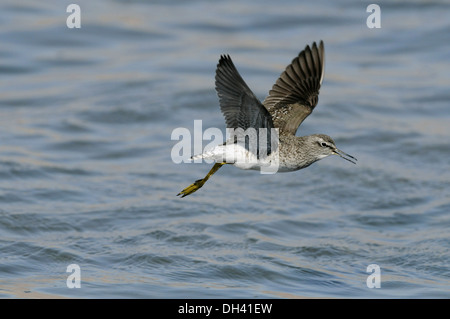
{"type": "Point", "coordinates": [323, 144]}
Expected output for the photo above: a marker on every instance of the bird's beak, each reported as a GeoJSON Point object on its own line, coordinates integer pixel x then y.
{"type": "Point", "coordinates": [345, 156]}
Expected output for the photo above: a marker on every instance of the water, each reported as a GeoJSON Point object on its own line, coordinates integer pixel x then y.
{"type": "Point", "coordinates": [86, 175]}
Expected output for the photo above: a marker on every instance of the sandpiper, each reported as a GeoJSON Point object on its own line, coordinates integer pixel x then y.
{"type": "Point", "coordinates": [292, 98]}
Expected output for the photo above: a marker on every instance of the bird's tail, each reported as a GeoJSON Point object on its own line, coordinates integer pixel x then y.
{"type": "Point", "coordinates": [199, 183]}
{"type": "Point", "coordinates": [198, 156]}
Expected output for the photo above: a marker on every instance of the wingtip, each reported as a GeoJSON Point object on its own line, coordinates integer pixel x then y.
{"type": "Point", "coordinates": [224, 58]}
{"type": "Point", "coordinates": [314, 45]}
{"type": "Point", "coordinates": [321, 46]}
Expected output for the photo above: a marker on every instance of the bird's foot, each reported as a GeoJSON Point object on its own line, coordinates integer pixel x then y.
{"type": "Point", "coordinates": [192, 188]}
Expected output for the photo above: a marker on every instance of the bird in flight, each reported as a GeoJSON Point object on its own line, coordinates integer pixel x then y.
{"type": "Point", "coordinates": [272, 123]}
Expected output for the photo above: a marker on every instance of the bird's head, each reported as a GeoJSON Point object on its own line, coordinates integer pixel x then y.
{"type": "Point", "coordinates": [322, 146]}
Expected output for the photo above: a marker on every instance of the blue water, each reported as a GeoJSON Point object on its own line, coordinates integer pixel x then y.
{"type": "Point", "coordinates": [87, 178]}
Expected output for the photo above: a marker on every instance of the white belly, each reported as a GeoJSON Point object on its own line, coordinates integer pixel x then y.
{"type": "Point", "coordinates": [240, 157]}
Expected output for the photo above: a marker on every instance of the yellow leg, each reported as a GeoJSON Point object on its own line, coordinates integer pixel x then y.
{"type": "Point", "coordinates": [199, 183]}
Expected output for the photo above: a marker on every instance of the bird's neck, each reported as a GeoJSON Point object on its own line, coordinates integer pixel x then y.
{"type": "Point", "coordinates": [297, 151]}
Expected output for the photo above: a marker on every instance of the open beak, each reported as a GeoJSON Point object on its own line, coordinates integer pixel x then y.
{"type": "Point", "coordinates": [345, 156]}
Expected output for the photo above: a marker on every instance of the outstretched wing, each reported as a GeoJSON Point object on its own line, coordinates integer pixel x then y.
{"type": "Point", "coordinates": [296, 92]}
{"type": "Point", "coordinates": [239, 105]}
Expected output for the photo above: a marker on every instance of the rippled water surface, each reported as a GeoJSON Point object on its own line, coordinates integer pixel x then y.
{"type": "Point", "coordinates": [87, 178]}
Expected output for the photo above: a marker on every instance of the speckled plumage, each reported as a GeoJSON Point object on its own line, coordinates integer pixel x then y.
{"type": "Point", "coordinates": [292, 98]}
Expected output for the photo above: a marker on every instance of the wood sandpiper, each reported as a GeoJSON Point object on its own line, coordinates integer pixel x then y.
{"type": "Point", "coordinates": [291, 99]}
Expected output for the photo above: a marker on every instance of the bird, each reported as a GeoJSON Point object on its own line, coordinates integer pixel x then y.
{"type": "Point", "coordinates": [291, 100]}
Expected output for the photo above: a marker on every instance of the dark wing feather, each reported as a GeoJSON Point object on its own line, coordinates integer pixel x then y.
{"type": "Point", "coordinates": [239, 105]}
{"type": "Point", "coordinates": [295, 93]}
